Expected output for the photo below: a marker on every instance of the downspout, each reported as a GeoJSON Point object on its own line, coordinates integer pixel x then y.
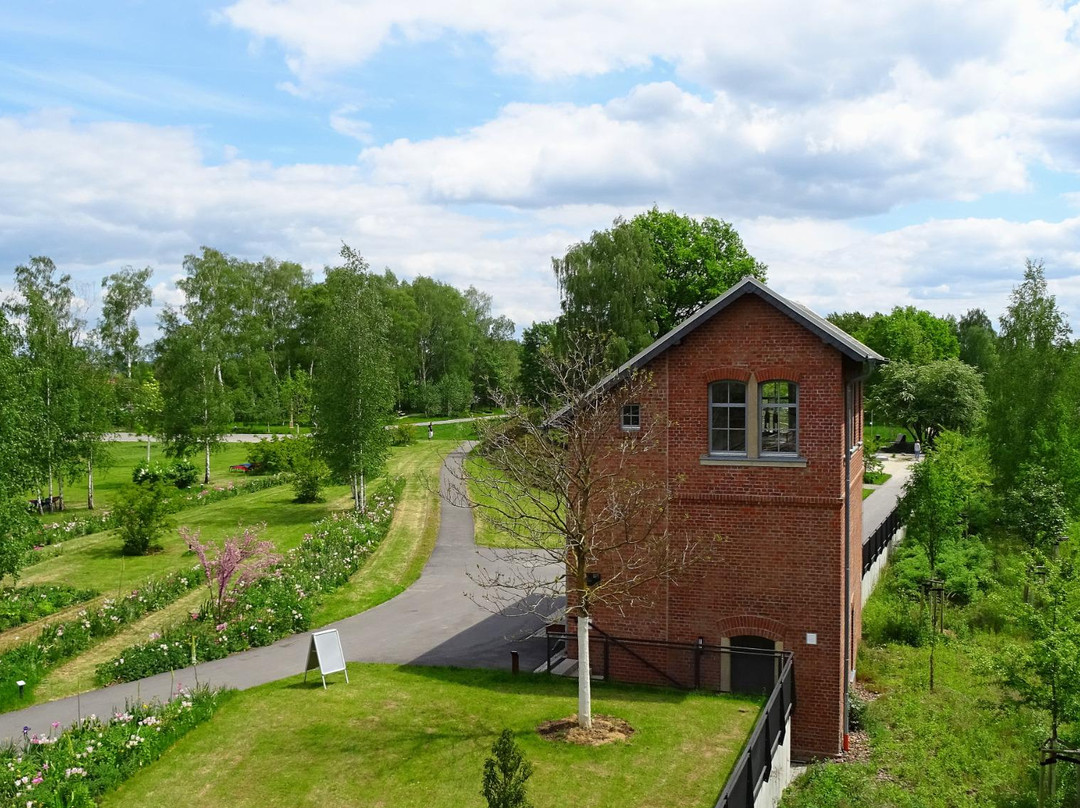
{"type": "Point", "coordinates": [849, 402]}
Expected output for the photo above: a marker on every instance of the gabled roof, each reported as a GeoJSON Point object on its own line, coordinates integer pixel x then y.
{"type": "Point", "coordinates": [815, 323]}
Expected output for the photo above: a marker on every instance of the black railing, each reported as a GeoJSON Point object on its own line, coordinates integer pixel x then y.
{"type": "Point", "coordinates": [754, 766]}
{"type": "Point", "coordinates": [697, 666]}
{"type": "Point", "coordinates": [879, 539]}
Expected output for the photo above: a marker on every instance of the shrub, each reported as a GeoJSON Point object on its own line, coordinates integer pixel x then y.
{"type": "Point", "coordinates": [238, 562]}
{"type": "Point", "coordinates": [310, 474]}
{"type": "Point", "coordinates": [402, 435]}
{"type": "Point", "coordinates": [276, 455]}
{"type": "Point", "coordinates": [505, 774]}
{"type": "Point", "coordinates": [142, 516]}
{"type": "Point", "coordinates": [182, 473]}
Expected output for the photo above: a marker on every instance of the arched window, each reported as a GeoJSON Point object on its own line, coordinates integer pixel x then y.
{"type": "Point", "coordinates": [779, 418]}
{"type": "Point", "coordinates": [727, 417]}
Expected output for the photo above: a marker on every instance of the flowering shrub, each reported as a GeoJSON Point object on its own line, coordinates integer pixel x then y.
{"type": "Point", "coordinates": [237, 563]}
{"type": "Point", "coordinates": [30, 603]}
{"type": "Point", "coordinates": [272, 607]}
{"type": "Point", "coordinates": [72, 768]}
{"type": "Point", "coordinates": [61, 640]}
{"type": "Point", "coordinates": [54, 532]}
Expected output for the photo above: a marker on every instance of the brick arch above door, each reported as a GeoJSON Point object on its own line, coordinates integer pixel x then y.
{"type": "Point", "coordinates": [758, 625]}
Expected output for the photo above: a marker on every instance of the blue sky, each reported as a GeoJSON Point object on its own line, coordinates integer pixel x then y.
{"type": "Point", "coordinates": [873, 155]}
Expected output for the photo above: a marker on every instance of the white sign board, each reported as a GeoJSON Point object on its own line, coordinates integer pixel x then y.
{"type": "Point", "coordinates": [325, 654]}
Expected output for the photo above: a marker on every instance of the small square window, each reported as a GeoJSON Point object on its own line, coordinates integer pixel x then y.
{"type": "Point", "coordinates": [631, 416]}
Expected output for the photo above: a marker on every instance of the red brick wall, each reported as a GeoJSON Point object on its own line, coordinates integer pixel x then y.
{"type": "Point", "coordinates": [777, 568]}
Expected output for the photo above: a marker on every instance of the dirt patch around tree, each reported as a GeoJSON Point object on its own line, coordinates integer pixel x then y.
{"type": "Point", "coordinates": [605, 729]}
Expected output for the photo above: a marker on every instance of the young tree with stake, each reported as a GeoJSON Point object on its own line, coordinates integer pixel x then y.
{"type": "Point", "coordinates": [584, 496]}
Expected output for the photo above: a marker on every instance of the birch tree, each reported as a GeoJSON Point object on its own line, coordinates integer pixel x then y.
{"type": "Point", "coordinates": [353, 384]}
{"type": "Point", "coordinates": [126, 292]}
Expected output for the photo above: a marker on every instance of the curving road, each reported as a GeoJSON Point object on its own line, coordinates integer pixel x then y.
{"type": "Point", "coordinates": [434, 622]}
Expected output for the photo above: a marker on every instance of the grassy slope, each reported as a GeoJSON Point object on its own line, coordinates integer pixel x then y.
{"type": "Point", "coordinates": [487, 534]}
{"type": "Point", "coordinates": [401, 556]}
{"type": "Point", "coordinates": [419, 736]}
{"type": "Point", "coordinates": [96, 562]}
{"type": "Point", "coordinates": [125, 457]}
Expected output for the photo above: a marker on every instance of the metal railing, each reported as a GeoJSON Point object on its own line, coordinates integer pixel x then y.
{"type": "Point", "coordinates": [754, 765]}
{"type": "Point", "coordinates": [879, 539]}
{"type": "Point", "coordinates": [697, 666]}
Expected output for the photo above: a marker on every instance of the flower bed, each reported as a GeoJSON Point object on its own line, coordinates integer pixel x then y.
{"type": "Point", "coordinates": [18, 606]}
{"type": "Point", "coordinates": [56, 532]}
{"type": "Point", "coordinates": [30, 660]}
{"type": "Point", "coordinates": [74, 767]}
{"type": "Point", "coordinates": [272, 607]}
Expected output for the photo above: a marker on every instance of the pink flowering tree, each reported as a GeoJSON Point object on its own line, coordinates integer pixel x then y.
{"type": "Point", "coordinates": [242, 559]}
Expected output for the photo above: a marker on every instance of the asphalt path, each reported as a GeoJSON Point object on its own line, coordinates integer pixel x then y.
{"type": "Point", "coordinates": [437, 621]}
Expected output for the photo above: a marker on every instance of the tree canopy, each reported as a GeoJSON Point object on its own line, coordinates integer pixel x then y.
{"type": "Point", "coordinates": [928, 399]}
{"type": "Point", "coordinates": [638, 279]}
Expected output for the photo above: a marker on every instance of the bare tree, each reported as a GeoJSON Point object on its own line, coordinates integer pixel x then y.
{"type": "Point", "coordinates": [585, 488]}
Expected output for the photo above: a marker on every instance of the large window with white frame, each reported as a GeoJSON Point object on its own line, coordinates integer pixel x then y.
{"type": "Point", "coordinates": [779, 418]}
{"type": "Point", "coordinates": [727, 417]}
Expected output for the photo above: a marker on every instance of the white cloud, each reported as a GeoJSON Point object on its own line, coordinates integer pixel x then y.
{"type": "Point", "coordinates": [946, 266]}
{"type": "Point", "coordinates": [841, 159]}
{"type": "Point", "coordinates": [343, 122]}
{"type": "Point", "coordinates": [828, 108]}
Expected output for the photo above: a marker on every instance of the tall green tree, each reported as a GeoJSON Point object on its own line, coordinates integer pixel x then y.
{"type": "Point", "coordinates": [16, 467]}
{"type": "Point", "coordinates": [48, 344]}
{"type": "Point", "coordinates": [192, 352]}
{"type": "Point", "coordinates": [978, 342]}
{"type": "Point", "coordinates": [353, 384]}
{"type": "Point", "coordinates": [641, 277]}
{"type": "Point", "coordinates": [911, 335]}
{"type": "Point", "coordinates": [537, 351]}
{"type": "Point", "coordinates": [96, 416]}
{"type": "Point", "coordinates": [126, 292]}
{"type": "Point", "coordinates": [1033, 389]}
{"type": "Point", "coordinates": [698, 259]}
{"type": "Point", "coordinates": [197, 414]}
{"type": "Point", "coordinates": [945, 394]}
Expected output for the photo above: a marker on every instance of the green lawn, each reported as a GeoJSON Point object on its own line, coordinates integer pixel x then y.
{"type": "Point", "coordinates": [401, 737]}
{"type": "Point", "coordinates": [888, 432]}
{"type": "Point", "coordinates": [108, 481]}
{"type": "Point", "coordinates": [95, 562]}
{"type": "Point", "coordinates": [487, 533]}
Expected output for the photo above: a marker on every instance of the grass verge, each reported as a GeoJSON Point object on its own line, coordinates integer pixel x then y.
{"type": "Point", "coordinates": [487, 532]}
{"type": "Point", "coordinates": [400, 736]}
{"type": "Point", "coordinates": [400, 557]}
{"type": "Point", "coordinates": [96, 561]}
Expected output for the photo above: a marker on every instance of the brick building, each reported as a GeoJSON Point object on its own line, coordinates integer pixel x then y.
{"type": "Point", "coordinates": [761, 405]}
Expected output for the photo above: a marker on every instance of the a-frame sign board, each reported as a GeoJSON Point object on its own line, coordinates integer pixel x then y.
{"type": "Point", "coordinates": [325, 654]}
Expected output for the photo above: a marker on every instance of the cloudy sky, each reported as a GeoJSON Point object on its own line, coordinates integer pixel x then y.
{"type": "Point", "coordinates": [872, 154]}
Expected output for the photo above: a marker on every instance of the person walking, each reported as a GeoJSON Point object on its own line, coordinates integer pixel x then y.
{"type": "Point", "coordinates": [430, 431]}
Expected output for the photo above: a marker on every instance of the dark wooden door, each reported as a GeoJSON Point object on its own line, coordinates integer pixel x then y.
{"type": "Point", "coordinates": [752, 673]}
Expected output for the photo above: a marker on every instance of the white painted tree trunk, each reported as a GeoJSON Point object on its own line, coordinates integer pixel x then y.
{"type": "Point", "coordinates": [206, 472]}
{"type": "Point", "coordinates": [148, 449]}
{"type": "Point", "coordinates": [90, 484]}
{"type": "Point", "coordinates": [584, 675]}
